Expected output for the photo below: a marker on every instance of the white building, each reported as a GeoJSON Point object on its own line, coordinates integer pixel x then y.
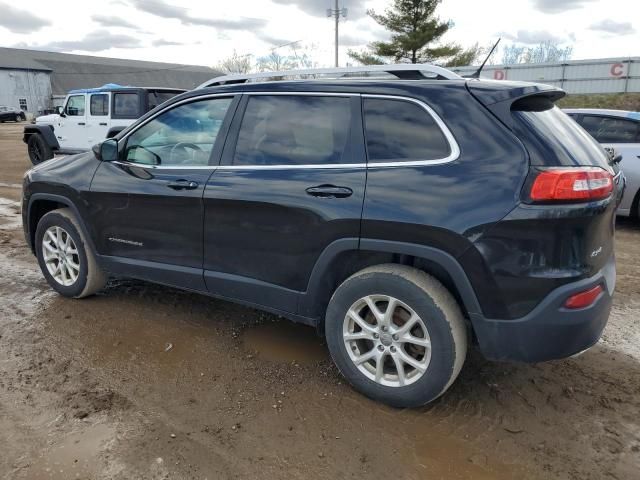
{"type": "Point", "coordinates": [36, 81]}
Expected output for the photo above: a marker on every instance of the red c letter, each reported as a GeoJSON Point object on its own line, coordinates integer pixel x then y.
{"type": "Point", "coordinates": [617, 69]}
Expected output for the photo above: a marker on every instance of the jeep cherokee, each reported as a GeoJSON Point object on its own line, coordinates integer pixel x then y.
{"type": "Point", "coordinates": [406, 214]}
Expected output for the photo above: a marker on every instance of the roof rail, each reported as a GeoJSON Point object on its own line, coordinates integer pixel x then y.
{"type": "Point", "coordinates": [405, 71]}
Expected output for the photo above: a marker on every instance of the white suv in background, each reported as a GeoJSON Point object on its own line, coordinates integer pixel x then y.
{"type": "Point", "coordinates": [618, 130]}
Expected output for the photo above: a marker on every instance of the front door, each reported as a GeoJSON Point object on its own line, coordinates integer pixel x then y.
{"type": "Point", "coordinates": [98, 118]}
{"type": "Point", "coordinates": [148, 209]}
{"type": "Point", "coordinates": [70, 129]}
{"type": "Point", "coordinates": [291, 183]}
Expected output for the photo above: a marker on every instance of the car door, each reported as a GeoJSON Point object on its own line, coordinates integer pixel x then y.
{"type": "Point", "coordinates": [623, 136]}
{"type": "Point", "coordinates": [147, 206]}
{"type": "Point", "coordinates": [98, 118]}
{"type": "Point", "coordinates": [70, 128]}
{"type": "Point", "coordinates": [291, 184]}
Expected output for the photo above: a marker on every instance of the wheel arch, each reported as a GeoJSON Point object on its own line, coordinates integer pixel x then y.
{"type": "Point", "coordinates": [346, 257]}
{"type": "Point", "coordinates": [46, 131]}
{"type": "Point", "coordinates": [42, 203]}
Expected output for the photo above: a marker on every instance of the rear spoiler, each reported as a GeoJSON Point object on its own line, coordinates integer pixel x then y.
{"type": "Point", "coordinates": [498, 96]}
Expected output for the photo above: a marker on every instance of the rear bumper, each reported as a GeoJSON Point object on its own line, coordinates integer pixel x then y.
{"type": "Point", "coordinates": [550, 331]}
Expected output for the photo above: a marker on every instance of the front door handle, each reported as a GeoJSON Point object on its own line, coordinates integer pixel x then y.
{"type": "Point", "coordinates": [81, 123]}
{"type": "Point", "coordinates": [329, 191]}
{"type": "Point", "coordinates": [103, 124]}
{"type": "Point", "coordinates": [183, 185]}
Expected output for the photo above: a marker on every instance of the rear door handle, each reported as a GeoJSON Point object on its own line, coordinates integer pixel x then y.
{"type": "Point", "coordinates": [81, 123]}
{"type": "Point", "coordinates": [103, 124]}
{"type": "Point", "coordinates": [329, 191]}
{"type": "Point", "coordinates": [183, 185]}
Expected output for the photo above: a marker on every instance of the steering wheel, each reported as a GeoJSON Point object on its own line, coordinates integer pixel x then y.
{"type": "Point", "coordinates": [183, 146]}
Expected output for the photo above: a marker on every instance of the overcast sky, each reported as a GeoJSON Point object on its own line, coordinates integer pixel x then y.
{"type": "Point", "coordinates": [203, 33]}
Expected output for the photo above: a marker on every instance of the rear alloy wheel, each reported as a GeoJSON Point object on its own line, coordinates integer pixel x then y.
{"type": "Point", "coordinates": [17, 118]}
{"type": "Point", "coordinates": [38, 149]}
{"type": "Point", "coordinates": [396, 334]}
{"type": "Point", "coordinates": [386, 340]}
{"type": "Point", "coordinates": [66, 260]}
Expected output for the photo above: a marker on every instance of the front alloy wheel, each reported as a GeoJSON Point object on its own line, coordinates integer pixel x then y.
{"type": "Point", "coordinates": [61, 256]}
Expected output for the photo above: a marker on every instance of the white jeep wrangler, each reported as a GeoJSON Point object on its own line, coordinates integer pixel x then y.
{"type": "Point", "coordinates": [88, 117]}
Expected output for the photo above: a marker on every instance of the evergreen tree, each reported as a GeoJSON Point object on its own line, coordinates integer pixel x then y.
{"type": "Point", "coordinates": [415, 36]}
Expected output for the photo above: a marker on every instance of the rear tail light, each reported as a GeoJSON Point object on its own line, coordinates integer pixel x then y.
{"type": "Point", "coordinates": [583, 299]}
{"type": "Point", "coordinates": [571, 184]}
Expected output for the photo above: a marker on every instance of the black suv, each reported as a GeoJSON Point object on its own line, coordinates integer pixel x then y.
{"type": "Point", "coordinates": [405, 215]}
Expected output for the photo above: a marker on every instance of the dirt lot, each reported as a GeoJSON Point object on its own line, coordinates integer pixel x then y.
{"type": "Point", "coordinates": [144, 381]}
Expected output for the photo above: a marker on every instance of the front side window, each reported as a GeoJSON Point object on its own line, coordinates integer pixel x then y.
{"type": "Point", "coordinates": [75, 106]}
{"type": "Point", "coordinates": [99, 105]}
{"type": "Point", "coordinates": [182, 136]}
{"type": "Point", "coordinates": [398, 130]}
{"type": "Point", "coordinates": [293, 130]}
{"type": "Point", "coordinates": [126, 105]}
{"type": "Point", "coordinates": [612, 130]}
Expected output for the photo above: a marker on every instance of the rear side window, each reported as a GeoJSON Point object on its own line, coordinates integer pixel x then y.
{"type": "Point", "coordinates": [398, 130]}
{"type": "Point", "coordinates": [293, 130]}
{"type": "Point", "coordinates": [611, 129]}
{"type": "Point", "coordinates": [99, 105]}
{"type": "Point", "coordinates": [125, 105]}
{"type": "Point", "coordinates": [552, 137]}
{"type": "Point", "coordinates": [158, 97]}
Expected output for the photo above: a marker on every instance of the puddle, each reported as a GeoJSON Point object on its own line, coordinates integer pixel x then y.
{"type": "Point", "coordinates": [74, 457]}
{"type": "Point", "coordinates": [285, 341]}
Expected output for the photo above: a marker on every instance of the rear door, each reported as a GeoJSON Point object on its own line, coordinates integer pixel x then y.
{"type": "Point", "coordinates": [71, 128]}
{"type": "Point", "coordinates": [148, 209]}
{"type": "Point", "coordinates": [98, 121]}
{"type": "Point", "coordinates": [291, 184]}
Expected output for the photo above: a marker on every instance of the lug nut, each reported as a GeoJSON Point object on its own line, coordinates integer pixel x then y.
{"type": "Point", "coordinates": [384, 328]}
{"type": "Point", "coordinates": [395, 337]}
{"type": "Point", "coordinates": [375, 335]}
{"type": "Point", "coordinates": [393, 349]}
{"type": "Point", "coordinates": [381, 348]}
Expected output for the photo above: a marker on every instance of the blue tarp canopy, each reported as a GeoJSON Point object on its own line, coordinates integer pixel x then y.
{"type": "Point", "coordinates": [107, 87]}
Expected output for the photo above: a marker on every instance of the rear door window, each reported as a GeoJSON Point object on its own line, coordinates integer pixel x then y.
{"type": "Point", "coordinates": [99, 105]}
{"type": "Point", "coordinates": [399, 130]}
{"type": "Point", "coordinates": [612, 129]}
{"type": "Point", "coordinates": [293, 130]}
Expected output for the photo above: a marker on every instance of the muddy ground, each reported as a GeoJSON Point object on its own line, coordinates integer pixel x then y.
{"type": "Point", "coordinates": [143, 381]}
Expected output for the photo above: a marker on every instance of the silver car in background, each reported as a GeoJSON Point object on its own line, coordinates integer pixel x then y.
{"type": "Point", "coordinates": [618, 130]}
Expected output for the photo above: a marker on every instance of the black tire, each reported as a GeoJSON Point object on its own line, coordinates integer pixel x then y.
{"type": "Point", "coordinates": [17, 118]}
{"type": "Point", "coordinates": [39, 150]}
{"type": "Point", "coordinates": [90, 277]}
{"type": "Point", "coordinates": [436, 308]}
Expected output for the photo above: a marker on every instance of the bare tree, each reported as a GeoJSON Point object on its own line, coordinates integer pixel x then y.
{"type": "Point", "coordinates": [545, 52]}
{"type": "Point", "coordinates": [237, 63]}
{"type": "Point", "coordinates": [274, 62]}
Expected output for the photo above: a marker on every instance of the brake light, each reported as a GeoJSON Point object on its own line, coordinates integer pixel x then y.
{"type": "Point", "coordinates": [572, 184]}
{"type": "Point", "coordinates": [583, 299]}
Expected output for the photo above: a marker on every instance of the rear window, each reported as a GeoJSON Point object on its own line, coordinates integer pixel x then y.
{"type": "Point", "coordinates": [156, 97]}
{"type": "Point", "coordinates": [552, 137]}
{"type": "Point", "coordinates": [125, 105]}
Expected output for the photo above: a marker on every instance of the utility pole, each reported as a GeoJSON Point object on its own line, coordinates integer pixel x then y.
{"type": "Point", "coordinates": [336, 12]}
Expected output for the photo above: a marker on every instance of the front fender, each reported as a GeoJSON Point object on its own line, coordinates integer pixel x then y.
{"type": "Point", "coordinates": [46, 131]}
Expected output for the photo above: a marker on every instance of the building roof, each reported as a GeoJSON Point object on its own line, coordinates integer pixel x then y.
{"type": "Point", "coordinates": [70, 72]}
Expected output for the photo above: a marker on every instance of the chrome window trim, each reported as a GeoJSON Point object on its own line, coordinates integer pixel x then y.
{"type": "Point", "coordinates": [453, 144]}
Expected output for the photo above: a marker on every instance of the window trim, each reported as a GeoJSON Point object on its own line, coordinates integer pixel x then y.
{"type": "Point", "coordinates": [453, 144]}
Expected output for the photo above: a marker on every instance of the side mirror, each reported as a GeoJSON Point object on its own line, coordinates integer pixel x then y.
{"type": "Point", "coordinates": [106, 151]}
{"type": "Point", "coordinates": [59, 109]}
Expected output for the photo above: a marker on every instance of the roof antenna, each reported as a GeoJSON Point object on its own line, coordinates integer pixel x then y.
{"type": "Point", "coordinates": [477, 73]}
